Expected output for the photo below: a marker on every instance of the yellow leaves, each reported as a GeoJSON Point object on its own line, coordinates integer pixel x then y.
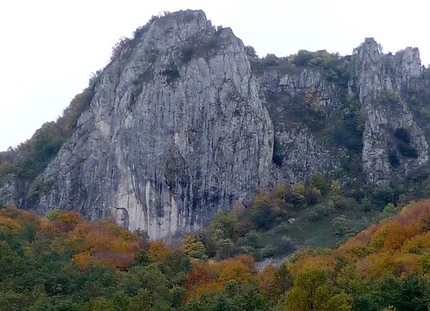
{"type": "Point", "coordinates": [103, 243]}
{"type": "Point", "coordinates": [70, 218]}
{"type": "Point", "coordinates": [82, 259]}
{"type": "Point", "coordinates": [398, 246]}
{"type": "Point", "coordinates": [214, 276]}
{"type": "Point", "coordinates": [311, 261]}
{"type": "Point", "coordinates": [158, 250]}
{"type": "Point", "coordinates": [10, 225]}
{"type": "Point", "coordinates": [193, 248]}
{"type": "Point", "coordinates": [235, 272]}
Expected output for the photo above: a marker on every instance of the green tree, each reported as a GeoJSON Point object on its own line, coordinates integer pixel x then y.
{"type": "Point", "coordinates": [311, 291]}
{"type": "Point", "coordinates": [298, 192]}
{"type": "Point", "coordinates": [318, 181]}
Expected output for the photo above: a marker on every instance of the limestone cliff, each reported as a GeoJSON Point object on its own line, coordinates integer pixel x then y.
{"type": "Point", "coordinates": [186, 121]}
{"type": "Point", "coordinates": [176, 130]}
{"type": "Point", "coordinates": [381, 81]}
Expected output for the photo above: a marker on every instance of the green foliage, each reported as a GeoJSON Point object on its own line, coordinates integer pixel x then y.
{"type": "Point", "coordinates": [311, 291]}
{"type": "Point", "coordinates": [343, 228]}
{"type": "Point", "coordinates": [250, 52]}
{"type": "Point", "coordinates": [348, 129]}
{"type": "Point", "coordinates": [317, 213]}
{"type": "Point", "coordinates": [263, 217]}
{"type": "Point", "coordinates": [382, 195]}
{"type": "Point", "coordinates": [389, 97]}
{"type": "Point", "coordinates": [298, 194]}
{"type": "Point", "coordinates": [318, 181]}
{"type": "Point", "coordinates": [390, 210]}
{"type": "Point", "coordinates": [303, 58]}
{"type": "Point", "coordinates": [393, 157]}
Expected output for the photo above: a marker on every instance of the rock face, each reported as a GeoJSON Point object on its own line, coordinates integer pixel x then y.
{"type": "Point", "coordinates": [176, 131]}
{"type": "Point", "coordinates": [186, 121]}
{"type": "Point", "coordinates": [380, 81]}
{"type": "Point", "coordinates": [296, 96]}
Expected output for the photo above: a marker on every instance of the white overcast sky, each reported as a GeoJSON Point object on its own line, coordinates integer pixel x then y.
{"type": "Point", "coordinates": [49, 48]}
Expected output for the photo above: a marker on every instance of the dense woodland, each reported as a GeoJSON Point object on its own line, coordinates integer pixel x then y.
{"type": "Point", "coordinates": [62, 262]}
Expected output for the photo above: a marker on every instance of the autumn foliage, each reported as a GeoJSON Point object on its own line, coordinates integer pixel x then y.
{"type": "Point", "coordinates": [373, 271]}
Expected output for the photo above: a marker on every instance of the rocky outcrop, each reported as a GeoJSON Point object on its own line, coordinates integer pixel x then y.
{"type": "Point", "coordinates": [176, 131]}
{"type": "Point", "coordinates": [292, 100]}
{"type": "Point", "coordinates": [379, 81]}
{"type": "Point", "coordinates": [183, 123]}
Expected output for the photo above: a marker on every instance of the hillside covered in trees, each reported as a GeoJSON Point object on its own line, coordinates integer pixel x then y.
{"type": "Point", "coordinates": [62, 262]}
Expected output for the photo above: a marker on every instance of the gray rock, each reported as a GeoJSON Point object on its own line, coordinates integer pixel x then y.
{"type": "Point", "coordinates": [384, 110]}
{"type": "Point", "coordinates": [180, 127]}
{"type": "Point", "coordinates": [165, 153]}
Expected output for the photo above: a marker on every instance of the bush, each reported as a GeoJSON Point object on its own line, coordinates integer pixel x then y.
{"type": "Point", "coordinates": [263, 218]}
{"type": "Point", "coordinates": [318, 181]}
{"type": "Point", "coordinates": [402, 134]}
{"type": "Point", "coordinates": [407, 150]}
{"type": "Point", "coordinates": [303, 58]}
{"type": "Point", "coordinates": [298, 192]}
{"type": "Point", "coordinates": [312, 195]}
{"type": "Point", "coordinates": [382, 195]}
{"type": "Point", "coordinates": [187, 53]}
{"type": "Point", "coordinates": [393, 157]}
{"type": "Point", "coordinates": [389, 97]}
{"type": "Point", "coordinates": [316, 214]}
{"type": "Point", "coordinates": [343, 228]}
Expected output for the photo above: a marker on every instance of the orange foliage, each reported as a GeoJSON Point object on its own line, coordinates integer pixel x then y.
{"type": "Point", "coordinates": [82, 259]}
{"type": "Point", "coordinates": [312, 261]}
{"type": "Point", "coordinates": [158, 250]}
{"type": "Point", "coordinates": [215, 276]}
{"type": "Point", "coordinates": [266, 277]}
{"type": "Point", "coordinates": [13, 219]}
{"type": "Point", "coordinates": [199, 275]}
{"type": "Point", "coordinates": [235, 272]}
{"type": "Point", "coordinates": [66, 221]}
{"type": "Point", "coordinates": [210, 287]}
{"type": "Point", "coordinates": [396, 246]}
{"type": "Point", "coordinates": [104, 243]}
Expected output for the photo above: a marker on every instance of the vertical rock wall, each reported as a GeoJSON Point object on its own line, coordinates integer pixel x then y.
{"type": "Point", "coordinates": [175, 132]}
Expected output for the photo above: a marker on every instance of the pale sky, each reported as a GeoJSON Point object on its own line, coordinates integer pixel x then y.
{"type": "Point", "coordinates": [50, 48]}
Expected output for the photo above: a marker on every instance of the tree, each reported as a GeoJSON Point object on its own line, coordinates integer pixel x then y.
{"type": "Point", "coordinates": [318, 181]}
{"type": "Point", "coordinates": [311, 291]}
{"type": "Point", "coordinates": [298, 194]}
{"type": "Point", "coordinates": [194, 248]}
{"type": "Point", "coordinates": [157, 250]}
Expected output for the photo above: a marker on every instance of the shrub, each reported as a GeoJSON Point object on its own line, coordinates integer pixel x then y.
{"type": "Point", "coordinates": [298, 195]}
{"type": "Point", "coordinates": [393, 157]}
{"type": "Point", "coordinates": [382, 195]}
{"type": "Point", "coordinates": [389, 97]}
{"type": "Point", "coordinates": [318, 181]}
{"type": "Point", "coordinates": [407, 150]}
{"type": "Point", "coordinates": [402, 134]}
{"type": "Point", "coordinates": [263, 218]}
{"type": "Point", "coordinates": [303, 58]}
{"type": "Point", "coordinates": [187, 53]}
{"type": "Point", "coordinates": [343, 228]}
{"type": "Point", "coordinates": [317, 213]}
